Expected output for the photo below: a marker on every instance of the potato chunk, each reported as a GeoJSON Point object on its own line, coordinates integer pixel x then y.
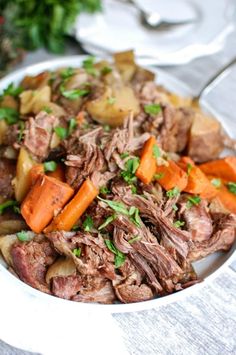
{"type": "Point", "coordinates": [205, 142]}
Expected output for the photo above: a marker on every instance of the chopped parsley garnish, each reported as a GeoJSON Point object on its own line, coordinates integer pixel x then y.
{"type": "Point", "coordinates": [216, 182]}
{"type": "Point", "coordinates": [61, 132]}
{"type": "Point", "coordinates": [10, 115]}
{"type": "Point", "coordinates": [67, 73]}
{"type": "Point", "coordinates": [77, 252]}
{"type": "Point", "coordinates": [12, 90]}
{"type": "Point", "coordinates": [88, 224]}
{"type": "Point", "coordinates": [232, 187]}
{"type": "Point", "coordinates": [178, 224]}
{"type": "Point", "coordinates": [7, 204]}
{"type": "Point", "coordinates": [88, 65]}
{"type": "Point", "coordinates": [107, 221]}
{"type": "Point", "coordinates": [124, 155]}
{"type": "Point", "coordinates": [173, 192]}
{"type": "Point", "coordinates": [21, 125]}
{"type": "Point", "coordinates": [75, 227]}
{"type": "Point", "coordinates": [152, 109]}
{"type": "Point", "coordinates": [23, 236]}
{"type": "Point", "coordinates": [116, 206]}
{"type": "Point", "coordinates": [73, 94]}
{"type": "Point", "coordinates": [134, 216]}
{"type": "Point", "coordinates": [133, 189]}
{"type": "Point", "coordinates": [111, 100]}
{"type": "Point", "coordinates": [131, 167]}
{"type": "Point", "coordinates": [135, 239]}
{"type": "Point", "coordinates": [47, 109]}
{"type": "Point", "coordinates": [189, 168]}
{"type": "Point", "coordinates": [156, 151]}
{"type": "Point", "coordinates": [106, 70]}
{"type": "Point", "coordinates": [193, 201]}
{"type": "Point", "coordinates": [49, 166]}
{"type": "Point", "coordinates": [106, 128]}
{"type": "Point", "coordinates": [72, 126]}
{"type": "Point", "coordinates": [175, 208]}
{"type": "Point", "coordinates": [104, 190]}
{"type": "Point", "coordinates": [159, 176]}
{"type": "Point", "coordinates": [119, 256]}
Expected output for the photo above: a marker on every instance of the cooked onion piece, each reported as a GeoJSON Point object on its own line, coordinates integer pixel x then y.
{"type": "Point", "coordinates": [34, 101]}
{"type": "Point", "coordinates": [61, 267]}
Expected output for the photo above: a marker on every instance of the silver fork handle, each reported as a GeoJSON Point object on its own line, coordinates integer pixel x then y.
{"type": "Point", "coordinates": [212, 82]}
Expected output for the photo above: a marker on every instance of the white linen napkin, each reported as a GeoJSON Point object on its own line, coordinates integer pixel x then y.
{"type": "Point", "coordinates": [34, 324]}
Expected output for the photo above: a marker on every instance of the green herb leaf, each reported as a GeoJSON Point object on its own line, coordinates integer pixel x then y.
{"type": "Point", "coordinates": [61, 132]}
{"type": "Point", "coordinates": [134, 216]}
{"type": "Point", "coordinates": [119, 256]}
{"type": "Point", "coordinates": [88, 65]}
{"type": "Point", "coordinates": [173, 192]}
{"type": "Point", "coordinates": [67, 73]}
{"type": "Point", "coordinates": [216, 182]}
{"type": "Point", "coordinates": [75, 228]}
{"type": "Point", "coordinates": [106, 128]}
{"type": "Point", "coordinates": [21, 125]}
{"type": "Point", "coordinates": [124, 155]}
{"type": "Point", "coordinates": [178, 224]}
{"type": "Point", "coordinates": [104, 190]}
{"type": "Point", "coordinates": [7, 204]}
{"type": "Point", "coordinates": [77, 252]}
{"type": "Point", "coordinates": [159, 176]}
{"type": "Point", "coordinates": [23, 236]}
{"type": "Point", "coordinates": [189, 168]}
{"type": "Point", "coordinates": [106, 70]}
{"type": "Point", "coordinates": [193, 200]}
{"type": "Point", "coordinates": [72, 126]}
{"type": "Point", "coordinates": [111, 100]}
{"type": "Point", "coordinates": [135, 239]}
{"type": "Point", "coordinates": [152, 109]}
{"type": "Point", "coordinates": [175, 208]}
{"type": "Point", "coordinates": [88, 224]}
{"type": "Point", "coordinates": [131, 167]}
{"type": "Point", "coordinates": [107, 221]}
{"type": "Point", "coordinates": [16, 209]}
{"type": "Point", "coordinates": [156, 151]}
{"type": "Point", "coordinates": [232, 187]}
{"type": "Point", "coordinates": [10, 115]}
{"type": "Point", "coordinates": [47, 109]}
{"type": "Point", "coordinates": [116, 206]}
{"type": "Point", "coordinates": [73, 94]}
{"type": "Point", "coordinates": [49, 166]}
{"type": "Point", "coordinates": [11, 90]}
{"type": "Point", "coordinates": [133, 189]}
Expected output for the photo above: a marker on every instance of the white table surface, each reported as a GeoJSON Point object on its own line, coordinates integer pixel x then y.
{"type": "Point", "coordinates": [205, 322]}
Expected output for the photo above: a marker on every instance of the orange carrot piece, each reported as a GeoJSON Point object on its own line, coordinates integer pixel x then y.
{"type": "Point", "coordinates": [172, 176]}
{"type": "Point", "coordinates": [35, 171]}
{"type": "Point", "coordinates": [224, 168]}
{"type": "Point", "coordinates": [147, 166]}
{"type": "Point", "coordinates": [80, 118]}
{"type": "Point", "coordinates": [198, 182]}
{"type": "Point", "coordinates": [226, 198]}
{"type": "Point", "coordinates": [75, 208]}
{"type": "Point", "coordinates": [58, 174]}
{"type": "Point", "coordinates": [46, 197]}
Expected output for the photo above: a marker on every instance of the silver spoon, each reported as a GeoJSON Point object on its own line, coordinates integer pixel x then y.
{"type": "Point", "coordinates": [153, 20]}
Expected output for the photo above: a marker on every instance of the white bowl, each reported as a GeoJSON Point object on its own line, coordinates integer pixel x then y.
{"type": "Point", "coordinates": [207, 268]}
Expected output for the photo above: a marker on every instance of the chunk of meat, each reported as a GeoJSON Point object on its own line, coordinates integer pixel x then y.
{"type": "Point", "coordinates": [7, 172]}
{"type": "Point", "coordinates": [132, 290]}
{"type": "Point", "coordinates": [222, 239]}
{"type": "Point", "coordinates": [205, 142]}
{"type": "Point", "coordinates": [66, 286]}
{"type": "Point", "coordinates": [96, 290]}
{"type": "Point", "coordinates": [30, 262]}
{"type": "Point", "coordinates": [197, 220]}
{"type": "Point", "coordinates": [38, 135]}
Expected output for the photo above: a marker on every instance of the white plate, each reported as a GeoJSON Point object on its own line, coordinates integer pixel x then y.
{"type": "Point", "coordinates": [118, 28]}
{"type": "Point", "coordinates": [45, 304]}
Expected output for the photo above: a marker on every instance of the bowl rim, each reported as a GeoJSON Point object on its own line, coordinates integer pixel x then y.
{"type": "Point", "coordinates": [75, 61]}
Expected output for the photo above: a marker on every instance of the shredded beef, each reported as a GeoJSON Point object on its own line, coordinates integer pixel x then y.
{"type": "Point", "coordinates": [38, 134]}
{"type": "Point", "coordinates": [222, 239]}
{"type": "Point", "coordinates": [7, 172]}
{"type": "Point", "coordinates": [30, 261]}
{"type": "Point", "coordinates": [66, 286]}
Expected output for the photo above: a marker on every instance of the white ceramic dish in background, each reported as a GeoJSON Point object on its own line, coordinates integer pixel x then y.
{"type": "Point", "coordinates": [207, 268]}
{"type": "Point", "coordinates": [118, 28]}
